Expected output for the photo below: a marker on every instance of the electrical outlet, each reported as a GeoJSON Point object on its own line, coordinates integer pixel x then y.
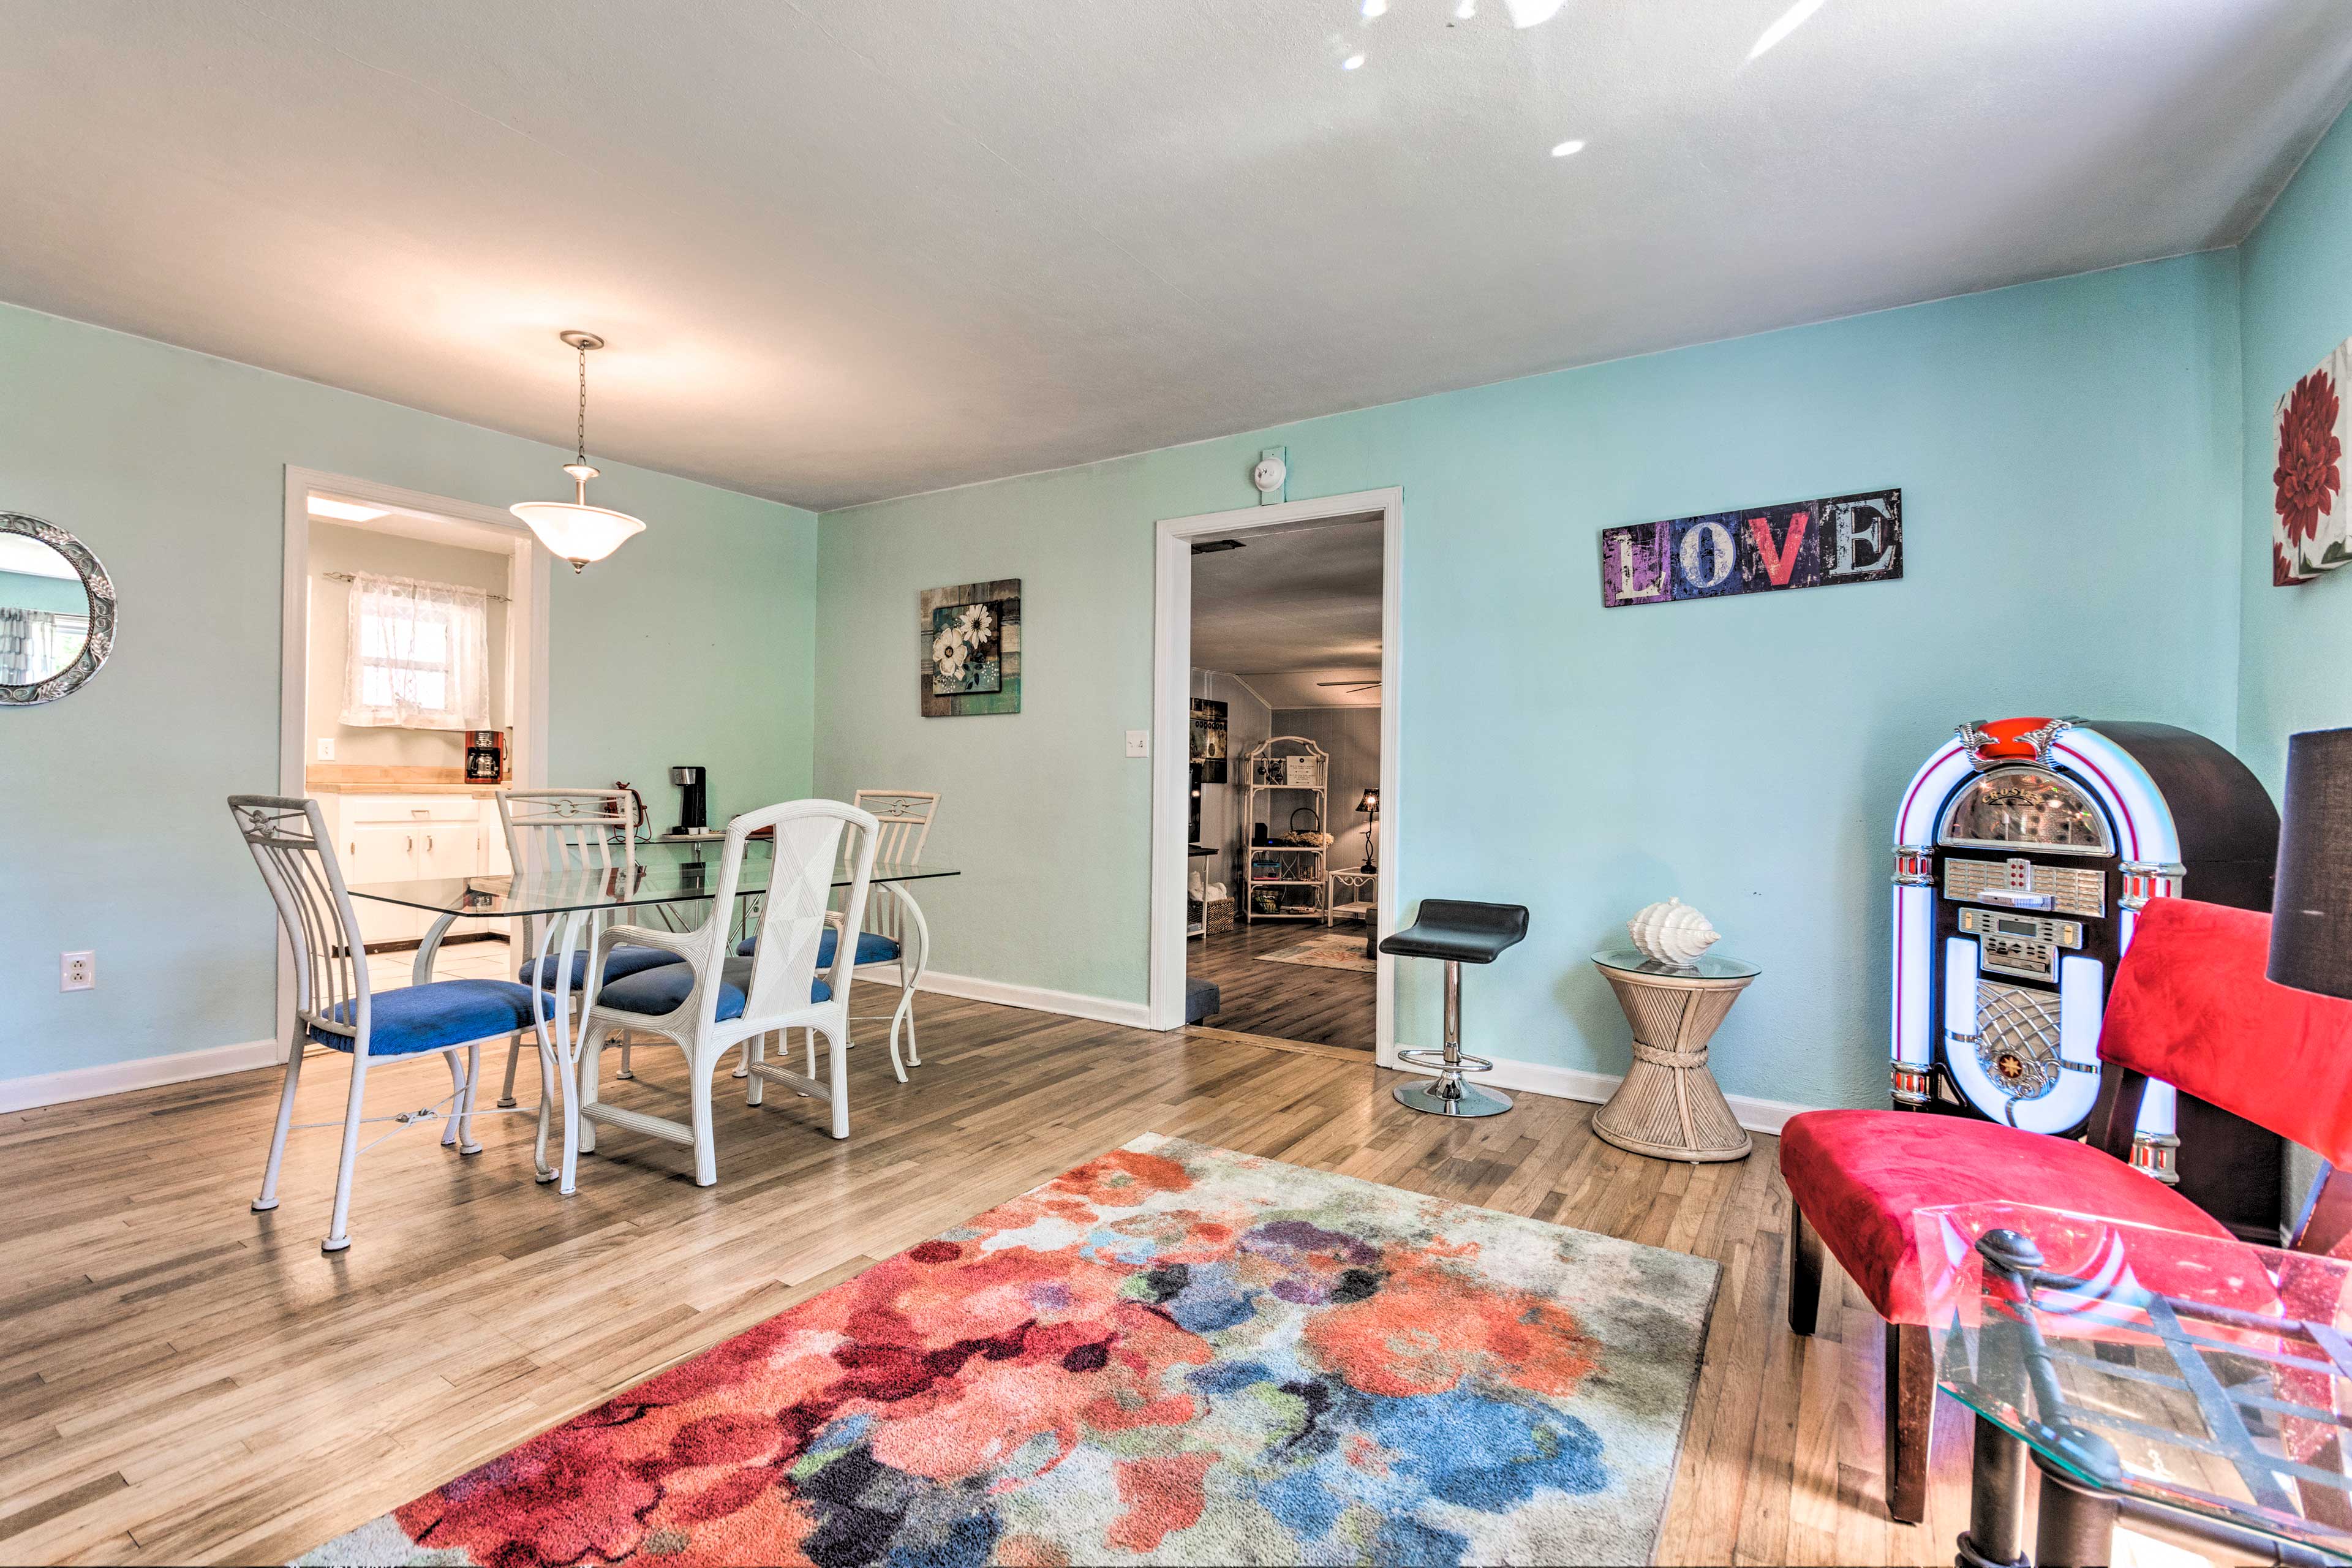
{"type": "Point", "coordinates": [326, 748]}
{"type": "Point", "coordinates": [76, 972]}
{"type": "Point", "coordinates": [1139, 743]}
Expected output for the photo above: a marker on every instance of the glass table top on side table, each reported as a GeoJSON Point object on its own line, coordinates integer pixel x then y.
{"type": "Point", "coordinates": [2197, 1385]}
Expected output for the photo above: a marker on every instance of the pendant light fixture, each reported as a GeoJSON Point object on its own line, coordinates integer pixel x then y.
{"type": "Point", "coordinates": [573, 529]}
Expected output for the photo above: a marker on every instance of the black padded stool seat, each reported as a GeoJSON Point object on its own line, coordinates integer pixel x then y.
{"type": "Point", "coordinates": [1455, 933]}
{"type": "Point", "coordinates": [1460, 933]}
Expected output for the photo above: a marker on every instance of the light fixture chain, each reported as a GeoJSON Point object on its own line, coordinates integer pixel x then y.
{"type": "Point", "coordinates": [582, 440]}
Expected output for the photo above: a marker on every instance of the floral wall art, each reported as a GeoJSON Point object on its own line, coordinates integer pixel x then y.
{"type": "Point", "coordinates": [970, 642]}
{"type": "Point", "coordinates": [2308, 439]}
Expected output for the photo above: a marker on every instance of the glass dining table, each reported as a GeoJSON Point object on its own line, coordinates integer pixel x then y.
{"type": "Point", "coordinates": [571, 909]}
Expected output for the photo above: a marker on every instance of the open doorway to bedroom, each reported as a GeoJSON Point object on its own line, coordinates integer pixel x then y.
{"type": "Point", "coordinates": [1286, 764]}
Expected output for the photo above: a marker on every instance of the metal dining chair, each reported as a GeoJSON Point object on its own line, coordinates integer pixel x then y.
{"type": "Point", "coordinates": [715, 1002]}
{"type": "Point", "coordinates": [335, 1005]}
{"type": "Point", "coordinates": [551, 830]}
{"type": "Point", "coordinates": [893, 931]}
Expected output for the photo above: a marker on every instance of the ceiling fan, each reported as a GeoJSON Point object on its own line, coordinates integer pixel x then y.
{"type": "Point", "coordinates": [1353, 686]}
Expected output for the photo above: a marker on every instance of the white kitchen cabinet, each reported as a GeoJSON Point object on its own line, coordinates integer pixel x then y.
{"type": "Point", "coordinates": [405, 838]}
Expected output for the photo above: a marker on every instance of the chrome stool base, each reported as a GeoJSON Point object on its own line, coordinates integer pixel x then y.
{"type": "Point", "coordinates": [1466, 1100]}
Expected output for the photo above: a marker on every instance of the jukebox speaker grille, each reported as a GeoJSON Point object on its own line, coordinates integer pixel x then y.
{"type": "Point", "coordinates": [2017, 1038]}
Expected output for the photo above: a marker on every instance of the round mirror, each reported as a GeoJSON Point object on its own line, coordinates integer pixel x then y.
{"type": "Point", "coordinates": [57, 612]}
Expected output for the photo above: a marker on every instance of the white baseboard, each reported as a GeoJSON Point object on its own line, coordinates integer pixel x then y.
{"type": "Point", "coordinates": [147, 1072]}
{"type": "Point", "coordinates": [1595, 1088]}
{"type": "Point", "coordinates": [1037, 999]}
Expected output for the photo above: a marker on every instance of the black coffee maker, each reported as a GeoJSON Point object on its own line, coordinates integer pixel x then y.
{"type": "Point", "coordinates": [486, 756]}
{"type": "Point", "coordinates": [693, 801]}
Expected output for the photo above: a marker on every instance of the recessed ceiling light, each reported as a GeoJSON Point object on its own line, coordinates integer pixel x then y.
{"type": "Point", "coordinates": [1568, 148]}
{"type": "Point", "coordinates": [1533, 13]}
{"type": "Point", "coordinates": [1794, 18]}
{"type": "Point", "coordinates": [1351, 62]}
{"type": "Point", "coordinates": [342, 511]}
{"type": "Point", "coordinates": [1375, 8]}
{"type": "Point", "coordinates": [1467, 9]}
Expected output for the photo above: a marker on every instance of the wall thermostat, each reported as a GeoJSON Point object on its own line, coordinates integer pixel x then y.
{"type": "Point", "coordinates": [1269, 473]}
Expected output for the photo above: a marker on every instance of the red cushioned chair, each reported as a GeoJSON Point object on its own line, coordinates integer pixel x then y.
{"type": "Point", "coordinates": [2190, 1008]}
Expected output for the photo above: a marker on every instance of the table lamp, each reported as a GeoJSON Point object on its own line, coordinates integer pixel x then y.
{"type": "Point", "coordinates": [2311, 905]}
{"type": "Point", "coordinates": [1371, 806]}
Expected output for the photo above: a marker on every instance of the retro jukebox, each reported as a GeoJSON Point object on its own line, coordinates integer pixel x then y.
{"type": "Point", "coordinates": [2023, 851]}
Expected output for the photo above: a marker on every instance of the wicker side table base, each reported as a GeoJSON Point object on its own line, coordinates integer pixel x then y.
{"type": "Point", "coordinates": [1669, 1107]}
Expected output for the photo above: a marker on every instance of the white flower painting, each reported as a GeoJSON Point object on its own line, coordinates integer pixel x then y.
{"type": "Point", "coordinates": [971, 649]}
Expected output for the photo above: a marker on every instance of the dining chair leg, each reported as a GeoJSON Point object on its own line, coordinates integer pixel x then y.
{"type": "Point", "coordinates": [467, 1143]}
{"type": "Point", "coordinates": [546, 1172]}
{"type": "Point", "coordinates": [837, 1077]}
{"type": "Point", "coordinates": [269, 1198]}
{"type": "Point", "coordinates": [907, 1013]}
{"type": "Point", "coordinates": [808, 1038]}
{"type": "Point", "coordinates": [754, 1051]}
{"type": "Point", "coordinates": [628, 1069]}
{"type": "Point", "coordinates": [698, 1095]}
{"type": "Point", "coordinates": [506, 1095]}
{"type": "Point", "coordinates": [338, 1225]}
{"type": "Point", "coordinates": [588, 1091]}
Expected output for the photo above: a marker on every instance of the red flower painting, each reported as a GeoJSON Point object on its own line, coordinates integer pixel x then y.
{"type": "Point", "coordinates": [2310, 464]}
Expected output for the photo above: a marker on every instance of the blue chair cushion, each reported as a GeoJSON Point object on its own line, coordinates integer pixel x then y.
{"type": "Point", "coordinates": [440, 1014]}
{"type": "Point", "coordinates": [653, 992]}
{"type": "Point", "coordinates": [873, 947]}
{"type": "Point", "coordinates": [620, 961]}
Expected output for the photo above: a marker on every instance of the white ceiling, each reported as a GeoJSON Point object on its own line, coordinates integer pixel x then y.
{"type": "Point", "coordinates": [845, 249]}
{"type": "Point", "coordinates": [1294, 607]}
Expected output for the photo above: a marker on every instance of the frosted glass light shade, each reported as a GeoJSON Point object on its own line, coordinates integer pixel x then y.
{"type": "Point", "coordinates": [579, 533]}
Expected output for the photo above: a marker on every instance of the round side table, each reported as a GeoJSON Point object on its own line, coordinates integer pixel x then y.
{"type": "Point", "coordinates": [1669, 1106]}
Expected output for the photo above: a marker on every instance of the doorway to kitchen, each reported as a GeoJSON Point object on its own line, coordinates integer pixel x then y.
{"type": "Point", "coordinates": [413, 689]}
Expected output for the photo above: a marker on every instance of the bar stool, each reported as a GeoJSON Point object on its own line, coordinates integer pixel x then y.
{"type": "Point", "coordinates": [1457, 933]}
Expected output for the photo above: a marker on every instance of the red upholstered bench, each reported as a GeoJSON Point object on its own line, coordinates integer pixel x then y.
{"type": "Point", "coordinates": [2190, 1008]}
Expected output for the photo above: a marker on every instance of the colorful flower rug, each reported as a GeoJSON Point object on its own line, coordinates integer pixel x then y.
{"type": "Point", "coordinates": [1327, 952]}
{"type": "Point", "coordinates": [1173, 1353]}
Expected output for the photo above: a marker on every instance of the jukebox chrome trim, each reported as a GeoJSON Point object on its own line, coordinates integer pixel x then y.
{"type": "Point", "coordinates": [2145, 881]}
{"type": "Point", "coordinates": [2157, 1155]}
{"type": "Point", "coordinates": [1915, 866]}
{"type": "Point", "coordinates": [1973, 737]}
{"type": "Point", "coordinates": [1913, 1085]}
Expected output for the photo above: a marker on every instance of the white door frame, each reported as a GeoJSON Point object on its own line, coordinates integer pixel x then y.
{"type": "Point", "coordinates": [528, 584]}
{"type": "Point", "coordinates": [1171, 731]}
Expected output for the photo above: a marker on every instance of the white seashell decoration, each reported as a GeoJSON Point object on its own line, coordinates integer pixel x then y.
{"type": "Point", "coordinates": [1672, 932]}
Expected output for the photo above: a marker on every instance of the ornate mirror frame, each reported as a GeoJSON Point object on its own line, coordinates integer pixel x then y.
{"type": "Point", "coordinates": [100, 588]}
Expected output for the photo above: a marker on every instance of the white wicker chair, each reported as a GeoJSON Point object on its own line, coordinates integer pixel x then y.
{"type": "Point", "coordinates": [715, 1001]}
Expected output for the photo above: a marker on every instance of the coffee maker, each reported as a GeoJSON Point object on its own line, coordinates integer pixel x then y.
{"type": "Point", "coordinates": [486, 756]}
{"type": "Point", "coordinates": [693, 801]}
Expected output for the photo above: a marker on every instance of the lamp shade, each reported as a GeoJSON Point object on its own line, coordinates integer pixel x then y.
{"type": "Point", "coordinates": [578, 533]}
{"type": "Point", "coordinates": [1370, 802]}
{"type": "Point", "coordinates": [2311, 908]}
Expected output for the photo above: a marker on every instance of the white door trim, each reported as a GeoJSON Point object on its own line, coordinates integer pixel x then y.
{"type": "Point", "coordinates": [528, 581]}
{"type": "Point", "coordinates": [1172, 731]}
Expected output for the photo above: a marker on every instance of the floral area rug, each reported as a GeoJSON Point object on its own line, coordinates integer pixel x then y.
{"type": "Point", "coordinates": [1173, 1353]}
{"type": "Point", "coordinates": [1327, 952]}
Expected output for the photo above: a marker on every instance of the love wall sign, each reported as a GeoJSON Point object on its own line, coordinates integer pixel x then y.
{"type": "Point", "coordinates": [1798, 544]}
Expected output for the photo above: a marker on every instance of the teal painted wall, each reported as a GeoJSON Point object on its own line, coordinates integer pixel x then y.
{"type": "Point", "coordinates": [23, 591]}
{"type": "Point", "coordinates": [2069, 453]}
{"type": "Point", "coordinates": [2296, 269]}
{"type": "Point", "coordinates": [693, 645]}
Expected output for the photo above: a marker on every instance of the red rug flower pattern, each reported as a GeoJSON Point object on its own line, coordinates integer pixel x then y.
{"type": "Point", "coordinates": [1173, 1353]}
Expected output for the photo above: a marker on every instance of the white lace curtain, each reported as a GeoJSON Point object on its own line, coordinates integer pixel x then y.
{"type": "Point", "coordinates": [416, 655]}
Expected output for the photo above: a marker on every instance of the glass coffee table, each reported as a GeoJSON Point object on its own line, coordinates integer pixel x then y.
{"type": "Point", "coordinates": [2197, 1387]}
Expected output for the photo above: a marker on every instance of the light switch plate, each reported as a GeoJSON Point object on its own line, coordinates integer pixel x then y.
{"type": "Point", "coordinates": [1139, 743]}
{"type": "Point", "coordinates": [326, 749]}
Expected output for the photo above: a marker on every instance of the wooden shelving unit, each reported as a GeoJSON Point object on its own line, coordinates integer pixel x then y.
{"type": "Point", "coordinates": [1286, 773]}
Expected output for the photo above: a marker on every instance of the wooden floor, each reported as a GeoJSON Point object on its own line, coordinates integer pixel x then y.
{"type": "Point", "coordinates": [1286, 1001]}
{"type": "Point", "coordinates": [184, 1381]}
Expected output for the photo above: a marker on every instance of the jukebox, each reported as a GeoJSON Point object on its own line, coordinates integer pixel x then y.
{"type": "Point", "coordinates": [2023, 851]}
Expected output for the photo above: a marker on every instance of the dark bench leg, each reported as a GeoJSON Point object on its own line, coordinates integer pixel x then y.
{"type": "Point", "coordinates": [1910, 1402]}
{"type": "Point", "coordinates": [1805, 1273]}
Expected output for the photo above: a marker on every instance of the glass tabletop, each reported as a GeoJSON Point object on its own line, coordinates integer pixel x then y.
{"type": "Point", "coordinates": [2203, 1374]}
{"type": "Point", "coordinates": [665, 874]}
{"type": "Point", "coordinates": [1706, 966]}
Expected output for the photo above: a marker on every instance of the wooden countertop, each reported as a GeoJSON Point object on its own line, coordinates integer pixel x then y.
{"type": "Point", "coordinates": [479, 791]}
{"type": "Point", "coordinates": [357, 778]}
